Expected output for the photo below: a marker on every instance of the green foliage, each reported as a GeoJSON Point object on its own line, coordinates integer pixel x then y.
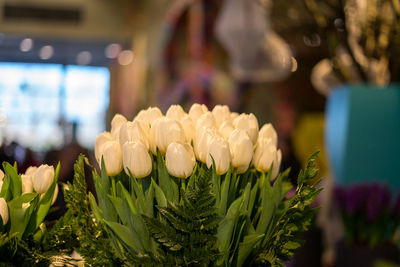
{"type": "Point", "coordinates": [295, 217]}
{"type": "Point", "coordinates": [186, 232]}
{"type": "Point", "coordinates": [207, 219]}
{"type": "Point", "coordinates": [77, 229]}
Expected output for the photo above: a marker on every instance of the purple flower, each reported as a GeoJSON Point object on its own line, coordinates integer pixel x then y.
{"type": "Point", "coordinates": [377, 201]}
{"type": "Point", "coordinates": [356, 196]}
{"type": "Point", "coordinates": [396, 207]}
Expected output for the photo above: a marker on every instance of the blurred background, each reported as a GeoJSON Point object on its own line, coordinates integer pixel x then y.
{"type": "Point", "coordinates": [323, 73]}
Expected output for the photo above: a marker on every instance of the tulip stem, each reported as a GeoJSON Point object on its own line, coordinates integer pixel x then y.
{"type": "Point", "coordinates": [114, 191]}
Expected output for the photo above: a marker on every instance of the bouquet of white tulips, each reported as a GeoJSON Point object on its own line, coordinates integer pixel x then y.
{"type": "Point", "coordinates": [198, 188]}
{"type": "Point", "coordinates": [25, 200]}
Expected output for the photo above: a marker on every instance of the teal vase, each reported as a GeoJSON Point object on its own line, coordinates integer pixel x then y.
{"type": "Point", "coordinates": [362, 134]}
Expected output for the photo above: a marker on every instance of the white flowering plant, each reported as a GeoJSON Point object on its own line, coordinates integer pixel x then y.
{"type": "Point", "coordinates": [25, 200]}
{"type": "Point", "coordinates": [198, 188]}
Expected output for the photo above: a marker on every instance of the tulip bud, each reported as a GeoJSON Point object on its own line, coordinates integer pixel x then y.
{"type": "Point", "coordinates": [219, 151]}
{"type": "Point", "coordinates": [175, 112]}
{"type": "Point", "coordinates": [163, 132]}
{"type": "Point", "coordinates": [1, 175]}
{"type": "Point", "coordinates": [3, 210]}
{"type": "Point", "coordinates": [133, 131]}
{"type": "Point", "coordinates": [149, 115]}
{"type": "Point", "coordinates": [1, 185]}
{"type": "Point", "coordinates": [234, 115]}
{"type": "Point", "coordinates": [221, 114]}
{"type": "Point", "coordinates": [180, 160]}
{"type": "Point", "coordinates": [188, 128]}
{"type": "Point", "coordinates": [202, 141]}
{"type": "Point", "coordinates": [196, 111]}
{"type": "Point", "coordinates": [112, 156]}
{"type": "Point", "coordinates": [226, 129]}
{"type": "Point", "coordinates": [249, 123]}
{"type": "Point", "coordinates": [207, 120]}
{"type": "Point", "coordinates": [115, 134]}
{"type": "Point", "coordinates": [241, 149]}
{"type": "Point", "coordinates": [27, 186]}
{"type": "Point", "coordinates": [43, 178]}
{"type": "Point", "coordinates": [116, 123]}
{"type": "Point", "coordinates": [53, 200]}
{"type": "Point", "coordinates": [136, 159]}
{"type": "Point", "coordinates": [101, 139]}
{"type": "Point", "coordinates": [31, 171]}
{"type": "Point", "coordinates": [268, 131]}
{"type": "Point", "coordinates": [265, 154]}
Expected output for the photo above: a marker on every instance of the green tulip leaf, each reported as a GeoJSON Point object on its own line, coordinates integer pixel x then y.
{"type": "Point", "coordinates": [118, 205]}
{"type": "Point", "coordinates": [169, 187]}
{"type": "Point", "coordinates": [160, 196]}
{"type": "Point", "coordinates": [149, 201]}
{"type": "Point", "coordinates": [122, 232]}
{"type": "Point", "coordinates": [247, 246]}
{"type": "Point", "coordinates": [224, 193]}
{"type": "Point", "coordinates": [15, 180]}
{"type": "Point", "coordinates": [19, 216]}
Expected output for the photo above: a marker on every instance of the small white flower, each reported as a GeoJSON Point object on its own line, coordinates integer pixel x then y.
{"type": "Point", "coordinates": [136, 159]}
{"type": "Point", "coordinates": [3, 210]}
{"type": "Point", "coordinates": [175, 112]}
{"type": "Point", "coordinates": [219, 151]}
{"type": "Point", "coordinates": [43, 178]}
{"type": "Point", "coordinates": [180, 160]}
{"type": "Point", "coordinates": [241, 149]}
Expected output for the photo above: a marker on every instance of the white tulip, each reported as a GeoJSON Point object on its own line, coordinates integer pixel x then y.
{"type": "Point", "coordinates": [206, 120]}
{"type": "Point", "coordinates": [221, 114]}
{"type": "Point", "coordinates": [163, 132]}
{"type": "Point", "coordinates": [115, 134]}
{"type": "Point", "coordinates": [43, 178]}
{"type": "Point", "coordinates": [3, 210]}
{"type": "Point", "coordinates": [188, 128]}
{"type": "Point", "coordinates": [268, 131]}
{"type": "Point", "coordinates": [241, 149]}
{"type": "Point", "coordinates": [226, 129]}
{"type": "Point", "coordinates": [31, 170]}
{"type": "Point", "coordinates": [249, 123]}
{"type": "Point", "coordinates": [277, 165]}
{"type": "Point", "coordinates": [133, 131]}
{"type": "Point", "coordinates": [175, 112]}
{"type": "Point", "coordinates": [149, 115]}
{"type": "Point", "coordinates": [145, 126]}
{"type": "Point", "coordinates": [234, 115]}
{"type": "Point", "coordinates": [202, 141]}
{"type": "Point", "coordinates": [265, 154]}
{"type": "Point", "coordinates": [196, 110]}
{"type": "Point", "coordinates": [219, 151]}
{"type": "Point", "coordinates": [180, 160]}
{"type": "Point", "coordinates": [112, 156]}
{"type": "Point", "coordinates": [101, 140]}
{"type": "Point", "coordinates": [53, 200]}
{"type": "Point", "coordinates": [1, 185]}
{"type": "Point", "coordinates": [116, 123]}
{"type": "Point", "coordinates": [27, 186]}
{"type": "Point", "coordinates": [136, 159]}
{"type": "Point", "coordinates": [1, 175]}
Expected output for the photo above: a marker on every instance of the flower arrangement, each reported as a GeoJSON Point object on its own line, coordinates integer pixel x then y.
{"type": "Point", "coordinates": [370, 215]}
{"type": "Point", "coordinates": [25, 200]}
{"type": "Point", "coordinates": [198, 188]}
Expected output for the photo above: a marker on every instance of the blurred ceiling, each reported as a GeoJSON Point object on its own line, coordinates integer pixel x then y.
{"type": "Point", "coordinates": [68, 27]}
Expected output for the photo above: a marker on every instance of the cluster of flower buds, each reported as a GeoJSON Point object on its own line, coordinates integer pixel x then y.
{"type": "Point", "coordinates": [220, 136]}
{"type": "Point", "coordinates": [35, 179]}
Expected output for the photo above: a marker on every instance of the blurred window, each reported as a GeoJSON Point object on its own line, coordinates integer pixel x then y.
{"type": "Point", "coordinates": [35, 98]}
